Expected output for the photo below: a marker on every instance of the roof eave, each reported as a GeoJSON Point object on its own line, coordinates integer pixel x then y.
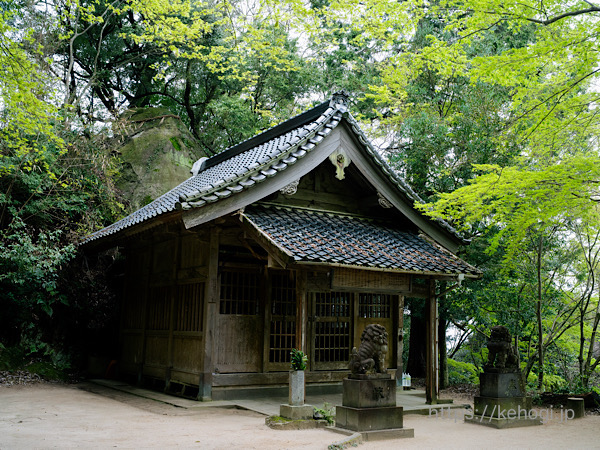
{"type": "Point", "coordinates": [423, 273]}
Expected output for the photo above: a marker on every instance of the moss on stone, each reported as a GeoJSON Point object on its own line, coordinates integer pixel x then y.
{"type": "Point", "coordinates": [153, 159]}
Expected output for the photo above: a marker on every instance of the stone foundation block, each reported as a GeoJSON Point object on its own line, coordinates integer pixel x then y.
{"type": "Point", "coordinates": [495, 422]}
{"type": "Point", "coordinates": [296, 412]}
{"type": "Point", "coordinates": [369, 419]}
{"type": "Point", "coordinates": [501, 384]}
{"type": "Point", "coordinates": [502, 407]}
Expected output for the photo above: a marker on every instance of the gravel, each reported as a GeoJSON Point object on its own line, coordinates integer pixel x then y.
{"type": "Point", "coordinates": [18, 378]}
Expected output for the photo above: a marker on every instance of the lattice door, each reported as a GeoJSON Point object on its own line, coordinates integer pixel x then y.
{"type": "Point", "coordinates": [240, 326]}
{"type": "Point", "coordinates": [282, 333]}
{"type": "Point", "coordinates": [331, 329]}
{"type": "Point", "coordinates": [377, 308]}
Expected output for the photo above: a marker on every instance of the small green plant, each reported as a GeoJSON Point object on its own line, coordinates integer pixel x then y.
{"type": "Point", "coordinates": [299, 359]}
{"type": "Point", "coordinates": [327, 412]}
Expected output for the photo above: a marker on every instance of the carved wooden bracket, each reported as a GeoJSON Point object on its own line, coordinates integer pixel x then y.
{"type": "Point", "coordinates": [384, 202]}
{"type": "Point", "coordinates": [340, 160]}
{"type": "Point", "coordinates": [291, 188]}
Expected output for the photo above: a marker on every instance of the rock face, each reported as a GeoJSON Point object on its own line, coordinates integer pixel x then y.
{"type": "Point", "coordinates": [157, 154]}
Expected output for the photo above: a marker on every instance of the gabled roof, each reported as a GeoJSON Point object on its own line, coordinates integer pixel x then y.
{"type": "Point", "coordinates": [309, 236]}
{"type": "Point", "coordinates": [243, 167]}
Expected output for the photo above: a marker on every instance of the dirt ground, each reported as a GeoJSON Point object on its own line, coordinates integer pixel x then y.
{"type": "Point", "coordinates": [89, 416]}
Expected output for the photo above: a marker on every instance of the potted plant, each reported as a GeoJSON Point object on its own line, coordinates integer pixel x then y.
{"type": "Point", "coordinates": [298, 363]}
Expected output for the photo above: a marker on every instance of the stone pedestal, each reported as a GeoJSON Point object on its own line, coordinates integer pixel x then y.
{"type": "Point", "coordinates": [501, 383]}
{"type": "Point", "coordinates": [296, 409]}
{"type": "Point", "coordinates": [502, 402]}
{"type": "Point", "coordinates": [369, 407]}
{"type": "Point", "coordinates": [296, 397]}
{"type": "Point", "coordinates": [577, 405]}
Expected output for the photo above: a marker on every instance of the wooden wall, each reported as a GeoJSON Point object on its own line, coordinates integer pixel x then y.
{"type": "Point", "coordinates": [180, 330]}
{"type": "Point", "coordinates": [163, 306]}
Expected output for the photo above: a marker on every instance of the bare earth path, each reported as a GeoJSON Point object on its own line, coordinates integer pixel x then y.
{"type": "Point", "coordinates": [67, 416]}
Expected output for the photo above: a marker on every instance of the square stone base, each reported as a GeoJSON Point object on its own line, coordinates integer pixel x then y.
{"type": "Point", "coordinates": [369, 419]}
{"type": "Point", "coordinates": [296, 412]}
{"type": "Point", "coordinates": [369, 392]}
{"type": "Point", "coordinates": [504, 406]}
{"type": "Point", "coordinates": [496, 422]}
{"type": "Point", "coordinates": [501, 383]}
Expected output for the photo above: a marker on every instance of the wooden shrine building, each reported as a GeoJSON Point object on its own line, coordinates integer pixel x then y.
{"type": "Point", "coordinates": [296, 238]}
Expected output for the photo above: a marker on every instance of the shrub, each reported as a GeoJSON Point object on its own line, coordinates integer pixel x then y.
{"type": "Point", "coordinates": [462, 372]}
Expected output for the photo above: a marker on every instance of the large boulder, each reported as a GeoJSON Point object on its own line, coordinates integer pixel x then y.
{"type": "Point", "coordinates": [157, 153]}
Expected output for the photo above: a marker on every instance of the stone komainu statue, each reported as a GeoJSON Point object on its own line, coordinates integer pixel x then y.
{"type": "Point", "coordinates": [370, 356]}
{"type": "Point", "coordinates": [501, 351]}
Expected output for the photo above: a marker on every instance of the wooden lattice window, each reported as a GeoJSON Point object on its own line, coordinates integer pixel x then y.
{"type": "Point", "coordinates": [283, 294]}
{"type": "Point", "coordinates": [283, 340]}
{"type": "Point", "coordinates": [332, 304]}
{"type": "Point", "coordinates": [239, 293]}
{"type": "Point", "coordinates": [188, 308]}
{"type": "Point", "coordinates": [374, 306]}
{"type": "Point", "coordinates": [159, 308]}
{"type": "Point", "coordinates": [332, 326]}
{"type": "Point", "coordinates": [283, 317]}
{"type": "Point", "coordinates": [332, 341]}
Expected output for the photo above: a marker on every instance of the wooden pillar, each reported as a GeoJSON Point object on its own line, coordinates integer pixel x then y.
{"type": "Point", "coordinates": [211, 310]}
{"type": "Point", "coordinates": [148, 272]}
{"type": "Point", "coordinates": [173, 297]}
{"type": "Point", "coordinates": [431, 374]}
{"type": "Point", "coordinates": [400, 341]}
{"type": "Point", "coordinates": [301, 312]}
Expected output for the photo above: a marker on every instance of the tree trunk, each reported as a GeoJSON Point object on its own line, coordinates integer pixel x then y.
{"type": "Point", "coordinates": [538, 314]}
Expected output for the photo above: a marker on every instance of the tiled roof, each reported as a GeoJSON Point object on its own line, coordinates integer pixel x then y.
{"type": "Point", "coordinates": [222, 176]}
{"type": "Point", "coordinates": [245, 165]}
{"type": "Point", "coordinates": [311, 236]}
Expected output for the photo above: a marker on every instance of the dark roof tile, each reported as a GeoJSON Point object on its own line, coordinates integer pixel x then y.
{"type": "Point", "coordinates": [311, 236]}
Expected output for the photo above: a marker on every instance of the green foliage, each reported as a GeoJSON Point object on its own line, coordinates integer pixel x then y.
{"type": "Point", "coordinates": [11, 358]}
{"type": "Point", "coordinates": [462, 372]}
{"type": "Point", "coordinates": [16, 358]}
{"type": "Point", "coordinates": [576, 387]}
{"type": "Point", "coordinates": [298, 359]}
{"type": "Point", "coordinates": [48, 371]}
{"type": "Point", "coordinates": [327, 412]}
{"type": "Point", "coordinates": [30, 272]}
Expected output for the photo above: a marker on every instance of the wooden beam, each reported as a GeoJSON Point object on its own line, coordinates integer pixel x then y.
{"type": "Point", "coordinates": [211, 303]}
{"type": "Point", "coordinates": [431, 370]}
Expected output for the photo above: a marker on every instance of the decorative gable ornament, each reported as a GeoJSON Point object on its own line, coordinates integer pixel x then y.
{"type": "Point", "coordinates": [383, 202]}
{"type": "Point", "coordinates": [340, 160]}
{"type": "Point", "coordinates": [291, 188]}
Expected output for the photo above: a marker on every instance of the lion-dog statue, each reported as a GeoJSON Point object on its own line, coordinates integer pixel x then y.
{"type": "Point", "coordinates": [370, 356]}
{"type": "Point", "coordinates": [501, 353]}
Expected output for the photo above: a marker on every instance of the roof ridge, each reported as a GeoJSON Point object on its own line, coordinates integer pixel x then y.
{"type": "Point", "coordinates": [297, 148]}
{"type": "Point", "coordinates": [267, 135]}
